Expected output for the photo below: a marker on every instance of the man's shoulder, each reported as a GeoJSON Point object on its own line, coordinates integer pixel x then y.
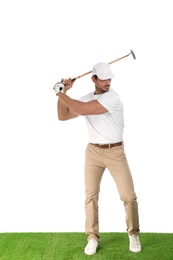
{"type": "Point", "coordinates": [111, 93]}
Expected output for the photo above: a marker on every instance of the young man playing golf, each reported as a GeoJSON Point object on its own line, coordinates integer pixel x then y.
{"type": "Point", "coordinates": [103, 111]}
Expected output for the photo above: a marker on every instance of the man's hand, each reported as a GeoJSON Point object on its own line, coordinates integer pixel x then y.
{"type": "Point", "coordinates": [68, 83]}
{"type": "Point", "coordinates": [63, 86]}
{"type": "Point", "coordinates": [58, 87]}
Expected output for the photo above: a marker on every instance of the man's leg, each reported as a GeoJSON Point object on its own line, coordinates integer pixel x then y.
{"type": "Point", "coordinates": [116, 162]}
{"type": "Point", "coordinates": [94, 169]}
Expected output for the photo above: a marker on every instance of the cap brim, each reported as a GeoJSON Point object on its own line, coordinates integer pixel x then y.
{"type": "Point", "coordinates": [104, 76]}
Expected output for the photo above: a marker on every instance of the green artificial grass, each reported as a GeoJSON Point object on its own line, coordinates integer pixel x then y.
{"type": "Point", "coordinates": [70, 246]}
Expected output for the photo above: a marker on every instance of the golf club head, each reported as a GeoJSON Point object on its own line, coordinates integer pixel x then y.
{"type": "Point", "coordinates": [134, 57]}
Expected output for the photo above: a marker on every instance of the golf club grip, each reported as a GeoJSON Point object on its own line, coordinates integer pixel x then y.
{"type": "Point", "coordinates": [81, 75]}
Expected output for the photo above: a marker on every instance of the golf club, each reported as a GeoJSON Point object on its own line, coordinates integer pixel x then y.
{"type": "Point", "coordinates": [131, 52]}
{"type": "Point", "coordinates": [61, 84]}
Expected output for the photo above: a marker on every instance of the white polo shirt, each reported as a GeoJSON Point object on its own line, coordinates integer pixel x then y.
{"type": "Point", "coordinates": [106, 128]}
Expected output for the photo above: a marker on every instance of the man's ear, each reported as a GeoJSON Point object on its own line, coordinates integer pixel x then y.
{"type": "Point", "coordinates": [93, 79]}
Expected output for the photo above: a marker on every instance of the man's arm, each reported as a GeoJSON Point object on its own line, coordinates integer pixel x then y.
{"type": "Point", "coordinates": [76, 107]}
{"type": "Point", "coordinates": [64, 113]}
{"type": "Point", "coordinates": [69, 108]}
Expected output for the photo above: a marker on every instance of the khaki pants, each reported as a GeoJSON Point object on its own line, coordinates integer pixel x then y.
{"type": "Point", "coordinates": [114, 159]}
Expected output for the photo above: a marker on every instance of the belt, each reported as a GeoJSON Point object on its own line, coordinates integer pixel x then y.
{"type": "Point", "coordinates": [107, 145]}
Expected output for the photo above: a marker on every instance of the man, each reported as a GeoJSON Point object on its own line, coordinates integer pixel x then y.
{"type": "Point", "coordinates": [103, 111]}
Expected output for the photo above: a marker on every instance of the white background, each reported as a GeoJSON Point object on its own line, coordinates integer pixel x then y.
{"type": "Point", "coordinates": [41, 158]}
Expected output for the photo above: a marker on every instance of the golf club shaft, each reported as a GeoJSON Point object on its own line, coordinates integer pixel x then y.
{"type": "Point", "coordinates": [131, 52]}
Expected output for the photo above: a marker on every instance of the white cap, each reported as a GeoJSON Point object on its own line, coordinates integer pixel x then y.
{"type": "Point", "coordinates": [103, 71]}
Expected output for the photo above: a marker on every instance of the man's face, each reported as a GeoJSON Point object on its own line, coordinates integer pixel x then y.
{"type": "Point", "coordinates": [101, 86]}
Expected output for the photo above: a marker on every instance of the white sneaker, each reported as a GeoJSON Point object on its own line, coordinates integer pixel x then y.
{"type": "Point", "coordinates": [135, 245]}
{"type": "Point", "coordinates": [91, 247]}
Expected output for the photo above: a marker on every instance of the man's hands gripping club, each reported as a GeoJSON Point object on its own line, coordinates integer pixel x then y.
{"type": "Point", "coordinates": [63, 86]}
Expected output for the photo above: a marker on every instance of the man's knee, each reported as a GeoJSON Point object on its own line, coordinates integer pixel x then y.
{"type": "Point", "coordinates": [129, 197]}
{"type": "Point", "coordinates": [91, 195]}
